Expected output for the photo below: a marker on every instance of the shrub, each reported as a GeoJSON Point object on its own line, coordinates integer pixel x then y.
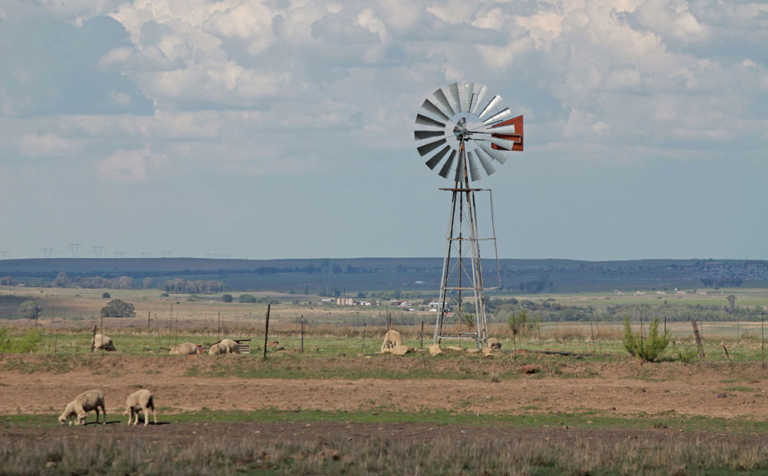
{"type": "Point", "coordinates": [29, 310]}
{"type": "Point", "coordinates": [28, 342]}
{"type": "Point", "coordinates": [226, 298]}
{"type": "Point", "coordinates": [520, 323]}
{"type": "Point", "coordinates": [649, 348]}
{"type": "Point", "coordinates": [106, 295]}
{"type": "Point", "coordinates": [248, 298]}
{"type": "Point", "coordinates": [118, 308]}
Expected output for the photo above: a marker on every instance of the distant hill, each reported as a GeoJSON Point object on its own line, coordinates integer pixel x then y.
{"type": "Point", "coordinates": [329, 276]}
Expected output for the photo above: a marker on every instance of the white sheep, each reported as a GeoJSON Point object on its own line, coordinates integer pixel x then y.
{"type": "Point", "coordinates": [187, 348]}
{"type": "Point", "coordinates": [140, 401]}
{"type": "Point", "coordinates": [102, 342]}
{"type": "Point", "coordinates": [224, 346]}
{"type": "Point", "coordinates": [83, 403]}
{"type": "Point", "coordinates": [392, 339]}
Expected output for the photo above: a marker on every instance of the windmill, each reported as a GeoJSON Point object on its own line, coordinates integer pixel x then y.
{"type": "Point", "coordinates": [462, 133]}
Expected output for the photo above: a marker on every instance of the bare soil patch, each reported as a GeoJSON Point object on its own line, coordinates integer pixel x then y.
{"type": "Point", "coordinates": [624, 388]}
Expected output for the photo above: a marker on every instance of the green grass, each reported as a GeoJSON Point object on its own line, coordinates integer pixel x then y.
{"type": "Point", "coordinates": [585, 419]}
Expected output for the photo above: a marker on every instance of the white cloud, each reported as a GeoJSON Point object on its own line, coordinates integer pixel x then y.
{"type": "Point", "coordinates": [47, 145]}
{"type": "Point", "coordinates": [130, 165]}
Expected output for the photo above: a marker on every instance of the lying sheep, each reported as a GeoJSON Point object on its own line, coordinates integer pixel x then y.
{"type": "Point", "coordinates": [102, 342]}
{"type": "Point", "coordinates": [224, 346]}
{"type": "Point", "coordinates": [83, 403]}
{"type": "Point", "coordinates": [187, 348]}
{"type": "Point", "coordinates": [140, 401]}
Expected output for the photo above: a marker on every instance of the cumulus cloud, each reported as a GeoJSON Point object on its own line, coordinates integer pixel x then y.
{"type": "Point", "coordinates": [233, 73]}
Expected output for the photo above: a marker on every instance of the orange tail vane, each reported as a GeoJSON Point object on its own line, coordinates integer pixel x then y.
{"type": "Point", "coordinates": [516, 137]}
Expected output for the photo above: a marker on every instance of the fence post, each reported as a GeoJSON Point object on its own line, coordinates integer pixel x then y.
{"type": "Point", "coordinates": [302, 333]}
{"type": "Point", "coordinates": [421, 335]}
{"type": "Point", "coordinates": [762, 338]}
{"type": "Point", "coordinates": [93, 338]}
{"type": "Point", "coordinates": [149, 320]}
{"type": "Point", "coordinates": [266, 330]}
{"type": "Point", "coordinates": [699, 344]}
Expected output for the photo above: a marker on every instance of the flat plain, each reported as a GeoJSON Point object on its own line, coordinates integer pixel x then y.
{"type": "Point", "coordinates": [565, 398]}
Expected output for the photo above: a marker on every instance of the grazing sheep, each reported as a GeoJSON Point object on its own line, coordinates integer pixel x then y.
{"type": "Point", "coordinates": [392, 339]}
{"type": "Point", "coordinates": [102, 342]}
{"type": "Point", "coordinates": [140, 401]}
{"type": "Point", "coordinates": [232, 346]}
{"type": "Point", "coordinates": [187, 348]}
{"type": "Point", "coordinates": [224, 346]}
{"type": "Point", "coordinates": [83, 403]}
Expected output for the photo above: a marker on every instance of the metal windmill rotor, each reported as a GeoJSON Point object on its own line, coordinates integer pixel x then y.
{"type": "Point", "coordinates": [462, 113]}
{"type": "Point", "coordinates": [459, 132]}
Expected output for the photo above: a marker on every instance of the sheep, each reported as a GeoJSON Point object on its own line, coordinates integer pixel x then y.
{"type": "Point", "coordinates": [102, 342]}
{"type": "Point", "coordinates": [187, 348]}
{"type": "Point", "coordinates": [232, 346]}
{"type": "Point", "coordinates": [83, 403]}
{"type": "Point", "coordinates": [140, 401]}
{"type": "Point", "coordinates": [224, 346]}
{"type": "Point", "coordinates": [392, 339]}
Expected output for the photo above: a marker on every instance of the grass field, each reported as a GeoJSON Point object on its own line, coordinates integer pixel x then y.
{"type": "Point", "coordinates": [563, 399]}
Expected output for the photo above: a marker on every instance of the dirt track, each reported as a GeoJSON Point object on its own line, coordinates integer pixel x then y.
{"type": "Point", "coordinates": [691, 390]}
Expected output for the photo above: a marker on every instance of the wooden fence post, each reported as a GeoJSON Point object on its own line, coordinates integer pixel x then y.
{"type": "Point", "coordinates": [697, 335]}
{"type": "Point", "coordinates": [93, 338]}
{"type": "Point", "coordinates": [421, 335]}
{"type": "Point", "coordinates": [266, 330]}
{"type": "Point", "coordinates": [149, 320]}
{"type": "Point", "coordinates": [302, 333]}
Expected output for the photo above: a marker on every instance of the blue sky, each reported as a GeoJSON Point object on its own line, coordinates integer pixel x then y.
{"type": "Point", "coordinates": [283, 128]}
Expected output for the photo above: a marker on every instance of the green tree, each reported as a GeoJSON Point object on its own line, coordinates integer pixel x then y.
{"type": "Point", "coordinates": [118, 308]}
{"type": "Point", "coordinates": [247, 298]}
{"type": "Point", "coordinates": [29, 309]}
{"type": "Point", "coordinates": [226, 298]}
{"type": "Point", "coordinates": [647, 348]}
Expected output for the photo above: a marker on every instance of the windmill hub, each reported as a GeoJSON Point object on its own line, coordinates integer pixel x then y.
{"type": "Point", "coordinates": [462, 132]}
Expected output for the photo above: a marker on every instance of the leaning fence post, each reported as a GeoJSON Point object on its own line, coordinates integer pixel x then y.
{"type": "Point", "coordinates": [266, 330]}
{"type": "Point", "coordinates": [699, 344]}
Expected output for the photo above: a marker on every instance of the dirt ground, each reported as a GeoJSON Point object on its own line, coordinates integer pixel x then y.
{"type": "Point", "coordinates": [614, 388]}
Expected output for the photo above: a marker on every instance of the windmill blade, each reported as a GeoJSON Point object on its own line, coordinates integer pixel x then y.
{"type": "Point", "coordinates": [426, 121]}
{"type": "Point", "coordinates": [435, 159]}
{"type": "Point", "coordinates": [474, 172]}
{"type": "Point", "coordinates": [430, 108]}
{"type": "Point", "coordinates": [499, 116]}
{"type": "Point", "coordinates": [469, 95]}
{"type": "Point", "coordinates": [442, 100]}
{"type": "Point", "coordinates": [485, 161]}
{"type": "Point", "coordinates": [420, 135]}
{"type": "Point", "coordinates": [495, 154]}
{"type": "Point", "coordinates": [490, 106]}
{"type": "Point", "coordinates": [454, 90]}
{"type": "Point", "coordinates": [480, 91]}
{"type": "Point", "coordinates": [427, 148]}
{"type": "Point", "coordinates": [465, 95]}
{"type": "Point", "coordinates": [446, 169]}
{"type": "Point", "coordinates": [503, 143]}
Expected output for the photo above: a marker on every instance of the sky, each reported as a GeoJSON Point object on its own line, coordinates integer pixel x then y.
{"type": "Point", "coordinates": [284, 129]}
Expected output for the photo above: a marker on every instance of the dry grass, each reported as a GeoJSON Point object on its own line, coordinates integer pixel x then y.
{"type": "Point", "coordinates": [460, 451]}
